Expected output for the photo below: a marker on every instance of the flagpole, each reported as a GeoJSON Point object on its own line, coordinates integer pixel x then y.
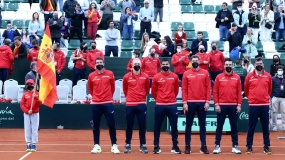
{"type": "Point", "coordinates": [34, 91]}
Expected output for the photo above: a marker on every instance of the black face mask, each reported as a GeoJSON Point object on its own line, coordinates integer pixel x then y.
{"type": "Point", "coordinates": [35, 47]}
{"type": "Point", "coordinates": [214, 48]}
{"type": "Point", "coordinates": [276, 60]}
{"type": "Point", "coordinates": [259, 68]}
{"type": "Point", "coordinates": [165, 68]}
{"type": "Point", "coordinates": [55, 17]}
{"type": "Point", "coordinates": [85, 48]}
{"type": "Point", "coordinates": [202, 51]}
{"type": "Point", "coordinates": [137, 68]}
{"type": "Point", "coordinates": [55, 50]}
{"type": "Point", "coordinates": [99, 67]}
{"type": "Point", "coordinates": [229, 69]}
{"type": "Point", "coordinates": [152, 54]}
{"type": "Point", "coordinates": [30, 87]}
{"type": "Point", "coordinates": [93, 47]}
{"type": "Point", "coordinates": [245, 61]}
{"type": "Point", "coordinates": [195, 64]}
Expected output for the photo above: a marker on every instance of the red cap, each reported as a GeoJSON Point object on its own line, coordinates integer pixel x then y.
{"type": "Point", "coordinates": [31, 81]}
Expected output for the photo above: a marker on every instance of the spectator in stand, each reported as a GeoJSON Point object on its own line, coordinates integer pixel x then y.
{"type": "Point", "coordinates": [197, 42]}
{"type": "Point", "coordinates": [107, 7]}
{"type": "Point", "coordinates": [68, 8]}
{"type": "Point", "coordinates": [137, 7]}
{"type": "Point", "coordinates": [151, 65]}
{"type": "Point", "coordinates": [85, 4]}
{"type": "Point", "coordinates": [77, 16]}
{"type": "Point", "coordinates": [6, 60]}
{"type": "Point", "coordinates": [254, 21]}
{"type": "Point", "coordinates": [55, 25]}
{"type": "Point", "coordinates": [234, 38]}
{"type": "Point", "coordinates": [59, 61]}
{"type": "Point", "coordinates": [217, 60]}
{"type": "Point", "coordinates": [279, 26]}
{"type": "Point", "coordinates": [48, 7]}
{"type": "Point", "coordinates": [79, 57]}
{"type": "Point", "coordinates": [125, 4]}
{"type": "Point", "coordinates": [239, 70]}
{"type": "Point", "coordinates": [60, 2]}
{"type": "Point", "coordinates": [170, 48]}
{"type": "Point", "coordinates": [34, 52]}
{"type": "Point", "coordinates": [128, 27]}
{"type": "Point", "coordinates": [185, 49]}
{"type": "Point", "coordinates": [136, 54]}
{"type": "Point", "coordinates": [11, 32]}
{"type": "Point", "coordinates": [26, 38]}
{"type": "Point", "coordinates": [241, 18]}
{"type": "Point", "coordinates": [19, 48]}
{"type": "Point", "coordinates": [179, 61]}
{"type": "Point", "coordinates": [35, 28]}
{"type": "Point", "coordinates": [235, 5]}
{"type": "Point", "coordinates": [146, 16]}
{"type": "Point", "coordinates": [249, 42]}
{"type": "Point", "coordinates": [275, 4]}
{"type": "Point", "coordinates": [224, 18]}
{"type": "Point", "coordinates": [158, 9]}
{"type": "Point", "coordinates": [247, 64]}
{"type": "Point", "coordinates": [92, 55]}
{"type": "Point", "coordinates": [273, 66]}
{"type": "Point", "coordinates": [32, 74]}
{"type": "Point", "coordinates": [252, 3]}
{"type": "Point", "coordinates": [146, 44]}
{"type": "Point", "coordinates": [64, 28]}
{"type": "Point", "coordinates": [94, 20]}
{"type": "Point", "coordinates": [204, 58]}
{"type": "Point", "coordinates": [266, 23]}
{"type": "Point", "coordinates": [111, 36]}
{"type": "Point", "coordinates": [180, 35]}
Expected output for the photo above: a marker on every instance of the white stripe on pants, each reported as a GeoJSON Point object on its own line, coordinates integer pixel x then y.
{"type": "Point", "coordinates": [278, 105]}
{"type": "Point", "coordinates": [31, 126]}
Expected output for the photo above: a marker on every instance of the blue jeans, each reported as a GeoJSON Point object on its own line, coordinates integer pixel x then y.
{"type": "Point", "coordinates": [128, 29]}
{"type": "Point", "coordinates": [242, 31]}
{"type": "Point", "coordinates": [113, 49]}
{"type": "Point", "coordinates": [68, 20]}
{"type": "Point", "coordinates": [224, 31]}
{"type": "Point", "coordinates": [278, 32]}
{"type": "Point", "coordinates": [136, 8]}
{"type": "Point", "coordinates": [60, 2]}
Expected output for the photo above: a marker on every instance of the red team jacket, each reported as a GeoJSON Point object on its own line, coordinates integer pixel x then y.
{"type": "Point", "coordinates": [258, 88]}
{"type": "Point", "coordinates": [130, 64]}
{"type": "Point", "coordinates": [216, 61]}
{"type": "Point", "coordinates": [179, 66]}
{"type": "Point", "coordinates": [26, 101]}
{"type": "Point", "coordinates": [91, 57]}
{"type": "Point", "coordinates": [196, 86]}
{"type": "Point", "coordinates": [203, 57]}
{"type": "Point", "coordinates": [136, 88]}
{"type": "Point", "coordinates": [79, 64]}
{"type": "Point", "coordinates": [6, 57]}
{"type": "Point", "coordinates": [151, 66]}
{"type": "Point", "coordinates": [165, 87]}
{"type": "Point", "coordinates": [227, 90]}
{"type": "Point", "coordinates": [101, 86]}
{"type": "Point", "coordinates": [33, 53]}
{"type": "Point", "coordinates": [59, 58]}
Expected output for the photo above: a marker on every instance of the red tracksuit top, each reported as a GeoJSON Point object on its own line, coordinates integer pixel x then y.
{"type": "Point", "coordinates": [33, 53]}
{"type": "Point", "coordinates": [80, 64]}
{"type": "Point", "coordinates": [91, 57]}
{"type": "Point", "coordinates": [165, 87]}
{"type": "Point", "coordinates": [258, 88]}
{"type": "Point", "coordinates": [59, 58]}
{"type": "Point", "coordinates": [101, 86]}
{"type": "Point", "coordinates": [151, 66]}
{"type": "Point", "coordinates": [130, 64]}
{"type": "Point", "coordinates": [227, 90]}
{"type": "Point", "coordinates": [179, 66]}
{"type": "Point", "coordinates": [6, 57]}
{"type": "Point", "coordinates": [203, 57]}
{"type": "Point", "coordinates": [136, 88]}
{"type": "Point", "coordinates": [196, 86]}
{"type": "Point", "coordinates": [26, 101]}
{"type": "Point", "coordinates": [216, 61]}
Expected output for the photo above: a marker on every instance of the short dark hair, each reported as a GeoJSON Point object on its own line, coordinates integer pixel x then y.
{"type": "Point", "coordinates": [110, 22]}
{"type": "Point", "coordinates": [194, 56]}
{"type": "Point", "coordinates": [225, 3]}
{"type": "Point", "coordinates": [239, 61]}
{"type": "Point", "coordinates": [98, 59]}
{"type": "Point", "coordinates": [7, 42]}
{"type": "Point", "coordinates": [280, 67]}
{"type": "Point", "coordinates": [93, 42]}
{"type": "Point", "coordinates": [228, 60]}
{"type": "Point", "coordinates": [258, 59]}
{"type": "Point", "coordinates": [35, 41]}
{"type": "Point", "coordinates": [9, 22]}
{"type": "Point", "coordinates": [57, 45]}
{"type": "Point", "coordinates": [200, 32]}
{"type": "Point", "coordinates": [164, 60]}
{"type": "Point", "coordinates": [137, 52]}
{"type": "Point", "coordinates": [17, 38]}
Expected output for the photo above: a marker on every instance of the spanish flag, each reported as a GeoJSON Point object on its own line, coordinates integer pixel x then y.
{"type": "Point", "coordinates": [46, 68]}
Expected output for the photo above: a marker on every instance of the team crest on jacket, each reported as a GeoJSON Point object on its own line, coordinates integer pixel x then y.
{"type": "Point", "coordinates": [47, 55]}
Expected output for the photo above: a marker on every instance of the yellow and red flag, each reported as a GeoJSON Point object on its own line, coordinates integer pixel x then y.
{"type": "Point", "coordinates": [46, 68]}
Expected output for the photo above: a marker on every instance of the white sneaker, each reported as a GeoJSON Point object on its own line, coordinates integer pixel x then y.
{"type": "Point", "coordinates": [217, 150]}
{"type": "Point", "coordinates": [96, 149]}
{"type": "Point", "coordinates": [274, 129]}
{"type": "Point", "coordinates": [236, 150]}
{"type": "Point", "coordinates": [114, 149]}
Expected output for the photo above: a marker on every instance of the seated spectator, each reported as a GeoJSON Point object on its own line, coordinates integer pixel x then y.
{"type": "Point", "coordinates": [94, 19]}
{"type": "Point", "coordinates": [59, 61]}
{"type": "Point", "coordinates": [79, 57]}
{"type": "Point", "coordinates": [197, 42]}
{"type": "Point", "coordinates": [77, 16]}
{"type": "Point", "coordinates": [6, 60]}
{"type": "Point", "coordinates": [11, 32]}
{"type": "Point", "coordinates": [64, 28]}
{"type": "Point", "coordinates": [180, 35]}
{"type": "Point", "coordinates": [254, 21]}
{"type": "Point", "coordinates": [179, 61]}
{"type": "Point", "coordinates": [249, 42]}
{"type": "Point", "coordinates": [234, 38]}
{"type": "Point", "coordinates": [136, 54]}
{"type": "Point", "coordinates": [170, 48]}
{"type": "Point", "coordinates": [239, 70]}
{"type": "Point", "coordinates": [92, 55]}
{"type": "Point", "coordinates": [19, 48]}
{"type": "Point", "coordinates": [34, 52]}
{"type": "Point", "coordinates": [204, 58]}
{"type": "Point", "coordinates": [26, 38]}
{"type": "Point", "coordinates": [111, 36]}
{"type": "Point", "coordinates": [217, 60]}
{"type": "Point", "coordinates": [107, 7]}
{"type": "Point", "coordinates": [33, 74]}
{"type": "Point", "coordinates": [146, 44]}
{"type": "Point", "coordinates": [247, 64]}
{"type": "Point", "coordinates": [35, 28]}
{"type": "Point", "coordinates": [55, 25]}
{"type": "Point", "coordinates": [273, 66]}
{"type": "Point", "coordinates": [128, 27]}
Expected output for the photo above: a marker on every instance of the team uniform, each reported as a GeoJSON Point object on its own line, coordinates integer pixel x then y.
{"type": "Point", "coordinates": [33, 54]}
{"type": "Point", "coordinates": [91, 57]}
{"type": "Point", "coordinates": [164, 90]}
{"type": "Point", "coordinates": [227, 95]}
{"type": "Point", "coordinates": [79, 67]}
{"type": "Point", "coordinates": [129, 66]}
{"type": "Point", "coordinates": [257, 89]}
{"type": "Point", "coordinates": [150, 66]}
{"type": "Point", "coordinates": [102, 87]}
{"type": "Point", "coordinates": [196, 92]}
{"type": "Point", "coordinates": [59, 62]}
{"type": "Point", "coordinates": [136, 88]}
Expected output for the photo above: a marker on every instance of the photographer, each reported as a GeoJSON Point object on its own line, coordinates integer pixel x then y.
{"type": "Point", "coordinates": [55, 25]}
{"type": "Point", "coordinates": [11, 32]}
{"type": "Point", "coordinates": [77, 16]}
{"type": "Point", "coordinates": [249, 42]}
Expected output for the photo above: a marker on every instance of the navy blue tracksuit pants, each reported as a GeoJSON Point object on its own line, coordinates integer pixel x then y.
{"type": "Point", "coordinates": [140, 112]}
{"type": "Point", "coordinates": [201, 113]}
{"type": "Point", "coordinates": [256, 112]}
{"type": "Point", "coordinates": [231, 111]}
{"type": "Point", "coordinates": [97, 111]}
{"type": "Point", "coordinates": [76, 73]}
{"type": "Point", "coordinates": [172, 114]}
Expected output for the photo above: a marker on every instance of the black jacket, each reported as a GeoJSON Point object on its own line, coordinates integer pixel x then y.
{"type": "Point", "coordinates": [234, 40]}
{"type": "Point", "coordinates": [276, 89]}
{"type": "Point", "coordinates": [76, 19]}
{"type": "Point", "coordinates": [277, 19]}
{"type": "Point", "coordinates": [5, 34]}
{"type": "Point", "coordinates": [253, 21]}
{"type": "Point", "coordinates": [219, 16]}
{"type": "Point", "coordinates": [273, 68]}
{"type": "Point", "coordinates": [23, 51]}
{"type": "Point", "coordinates": [55, 28]}
{"type": "Point", "coordinates": [158, 3]}
{"type": "Point", "coordinates": [68, 7]}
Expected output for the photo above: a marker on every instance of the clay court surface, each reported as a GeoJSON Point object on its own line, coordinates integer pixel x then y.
{"type": "Point", "coordinates": [76, 145]}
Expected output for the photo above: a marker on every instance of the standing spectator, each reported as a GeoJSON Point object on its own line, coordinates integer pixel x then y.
{"type": "Point", "coordinates": [180, 35]}
{"type": "Point", "coordinates": [32, 74]}
{"type": "Point", "coordinates": [136, 54]}
{"type": "Point", "coordinates": [125, 4]}
{"type": "Point", "coordinates": [34, 52]}
{"type": "Point", "coordinates": [279, 26]}
{"type": "Point", "coordinates": [11, 32]}
{"type": "Point", "coordinates": [59, 61]}
{"type": "Point", "coordinates": [275, 4]}
{"type": "Point", "coordinates": [249, 42]}
{"type": "Point", "coordinates": [224, 18]}
{"type": "Point", "coordinates": [68, 8]}
{"type": "Point", "coordinates": [55, 25]}
{"type": "Point", "coordinates": [241, 18]}
{"type": "Point", "coordinates": [19, 48]}
{"type": "Point", "coordinates": [266, 23]}
{"type": "Point", "coordinates": [197, 42]}
{"type": "Point", "coordinates": [254, 21]}
{"type": "Point", "coordinates": [111, 36]}
{"type": "Point", "coordinates": [26, 38]}
{"type": "Point", "coordinates": [235, 5]}
{"type": "Point", "coordinates": [158, 9]}
{"type": "Point", "coordinates": [217, 60]}
{"type": "Point", "coordinates": [35, 28]}
{"type": "Point", "coordinates": [239, 70]}
{"type": "Point", "coordinates": [6, 60]}
{"type": "Point", "coordinates": [94, 20]}
{"type": "Point", "coordinates": [170, 48]}
{"type": "Point", "coordinates": [92, 55]}
{"type": "Point", "coordinates": [179, 61]}
{"type": "Point", "coordinates": [146, 16]}
{"type": "Point", "coordinates": [254, 3]}
{"type": "Point", "coordinates": [137, 7]}
{"type": "Point", "coordinates": [204, 58]}
{"type": "Point", "coordinates": [76, 23]}
{"type": "Point", "coordinates": [128, 27]}
{"type": "Point", "coordinates": [234, 38]}
{"type": "Point", "coordinates": [247, 64]}
{"type": "Point", "coordinates": [185, 48]}
{"type": "Point", "coordinates": [79, 57]}
{"type": "Point", "coordinates": [60, 2]}
{"type": "Point", "coordinates": [273, 66]}
{"type": "Point", "coordinates": [85, 4]}
{"type": "Point", "coordinates": [107, 6]}
{"type": "Point", "coordinates": [48, 7]}
{"type": "Point", "coordinates": [64, 28]}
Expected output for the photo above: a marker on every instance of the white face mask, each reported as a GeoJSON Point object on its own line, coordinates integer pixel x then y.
{"type": "Point", "coordinates": [178, 50]}
{"type": "Point", "coordinates": [280, 73]}
{"type": "Point", "coordinates": [239, 9]}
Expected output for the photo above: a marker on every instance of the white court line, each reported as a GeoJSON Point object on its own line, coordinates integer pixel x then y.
{"type": "Point", "coordinates": [25, 156]}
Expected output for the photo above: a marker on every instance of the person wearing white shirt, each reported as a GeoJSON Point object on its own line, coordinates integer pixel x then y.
{"type": "Point", "coordinates": [146, 16]}
{"type": "Point", "coordinates": [267, 20]}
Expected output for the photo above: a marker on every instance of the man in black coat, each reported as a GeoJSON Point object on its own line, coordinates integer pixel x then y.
{"type": "Point", "coordinates": [234, 38]}
{"type": "Point", "coordinates": [19, 49]}
{"type": "Point", "coordinates": [224, 19]}
{"type": "Point", "coordinates": [55, 25]}
{"type": "Point", "coordinates": [48, 10]}
{"type": "Point", "coordinates": [68, 8]}
{"type": "Point", "coordinates": [76, 23]}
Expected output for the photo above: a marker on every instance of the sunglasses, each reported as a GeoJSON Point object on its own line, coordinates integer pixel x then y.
{"type": "Point", "coordinates": [253, 8]}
